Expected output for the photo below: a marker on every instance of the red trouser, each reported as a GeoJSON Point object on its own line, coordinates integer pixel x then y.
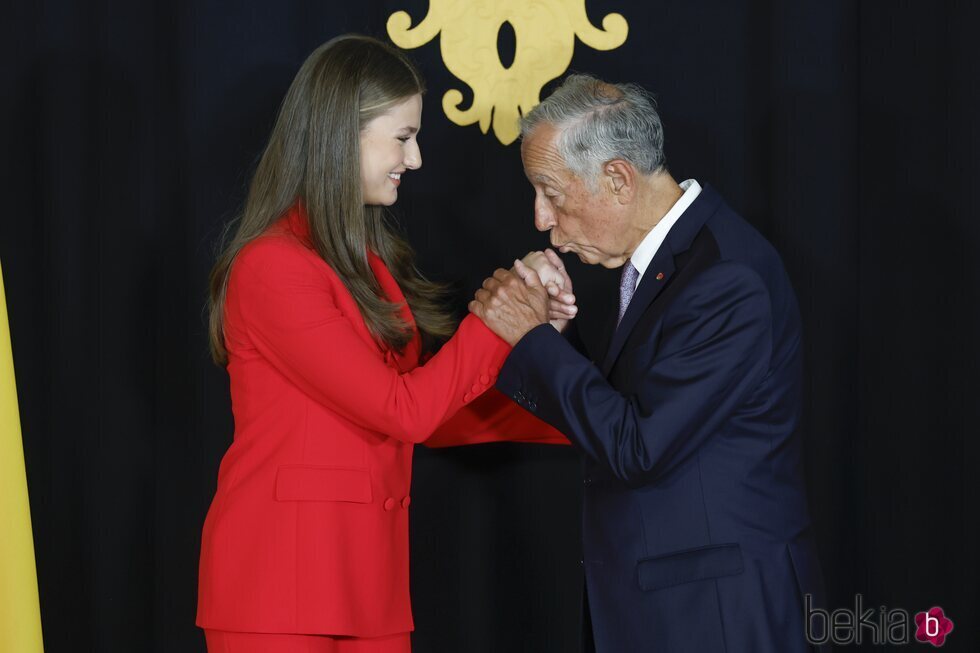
{"type": "Point", "coordinates": [221, 641]}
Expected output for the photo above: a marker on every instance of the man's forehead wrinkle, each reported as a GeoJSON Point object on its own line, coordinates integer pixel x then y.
{"type": "Point", "coordinates": [552, 158]}
{"type": "Point", "coordinates": [544, 153]}
{"type": "Point", "coordinates": [547, 171]}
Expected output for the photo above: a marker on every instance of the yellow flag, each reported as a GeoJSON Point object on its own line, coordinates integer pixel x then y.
{"type": "Point", "coordinates": [20, 612]}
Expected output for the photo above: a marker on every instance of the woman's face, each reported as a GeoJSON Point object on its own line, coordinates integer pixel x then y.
{"type": "Point", "coordinates": [389, 147]}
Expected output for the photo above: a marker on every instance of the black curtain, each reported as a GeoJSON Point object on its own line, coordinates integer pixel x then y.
{"type": "Point", "coordinates": [845, 131]}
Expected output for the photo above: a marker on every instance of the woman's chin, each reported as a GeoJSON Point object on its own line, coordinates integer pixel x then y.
{"type": "Point", "coordinates": [382, 201]}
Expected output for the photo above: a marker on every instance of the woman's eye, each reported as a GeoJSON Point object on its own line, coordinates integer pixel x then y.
{"type": "Point", "coordinates": [404, 139]}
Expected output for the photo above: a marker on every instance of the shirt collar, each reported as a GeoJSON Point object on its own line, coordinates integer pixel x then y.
{"type": "Point", "coordinates": [651, 243]}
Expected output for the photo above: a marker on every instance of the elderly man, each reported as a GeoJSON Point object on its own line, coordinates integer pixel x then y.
{"type": "Point", "coordinates": [695, 525]}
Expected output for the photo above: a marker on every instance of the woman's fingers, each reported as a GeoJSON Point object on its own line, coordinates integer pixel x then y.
{"type": "Point", "coordinates": [547, 272]}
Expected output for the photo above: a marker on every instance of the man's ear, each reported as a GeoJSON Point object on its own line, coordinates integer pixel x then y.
{"type": "Point", "coordinates": [620, 178]}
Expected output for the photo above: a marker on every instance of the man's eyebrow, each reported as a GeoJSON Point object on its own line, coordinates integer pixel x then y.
{"type": "Point", "coordinates": [542, 178]}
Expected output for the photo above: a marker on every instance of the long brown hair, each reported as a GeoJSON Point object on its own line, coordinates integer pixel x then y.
{"type": "Point", "coordinates": [313, 156]}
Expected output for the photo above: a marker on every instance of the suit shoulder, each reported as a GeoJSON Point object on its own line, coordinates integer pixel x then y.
{"type": "Point", "coordinates": [271, 249]}
{"type": "Point", "coordinates": [739, 242]}
{"type": "Point", "coordinates": [276, 257]}
{"type": "Point", "coordinates": [737, 239]}
{"type": "Point", "coordinates": [724, 278]}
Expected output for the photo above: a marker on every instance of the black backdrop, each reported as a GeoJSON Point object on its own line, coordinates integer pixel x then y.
{"type": "Point", "coordinates": [845, 131]}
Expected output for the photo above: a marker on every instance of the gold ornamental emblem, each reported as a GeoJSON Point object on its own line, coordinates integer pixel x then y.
{"type": "Point", "coordinates": [545, 32]}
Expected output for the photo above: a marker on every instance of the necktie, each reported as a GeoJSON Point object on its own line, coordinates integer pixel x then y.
{"type": "Point", "coordinates": [627, 286]}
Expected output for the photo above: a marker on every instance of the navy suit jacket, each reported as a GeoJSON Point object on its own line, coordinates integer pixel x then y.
{"type": "Point", "coordinates": [695, 525]}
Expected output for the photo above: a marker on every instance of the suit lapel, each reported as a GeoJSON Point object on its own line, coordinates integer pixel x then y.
{"type": "Point", "coordinates": [654, 280]}
{"type": "Point", "coordinates": [662, 268]}
{"type": "Point", "coordinates": [296, 220]}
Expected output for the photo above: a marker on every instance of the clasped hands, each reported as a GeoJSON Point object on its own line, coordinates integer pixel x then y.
{"type": "Point", "coordinates": [536, 291]}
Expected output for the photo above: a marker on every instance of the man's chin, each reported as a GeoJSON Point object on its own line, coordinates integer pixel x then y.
{"type": "Point", "coordinates": [566, 249]}
{"type": "Point", "coordinates": [611, 263]}
{"type": "Point", "coordinates": [587, 257]}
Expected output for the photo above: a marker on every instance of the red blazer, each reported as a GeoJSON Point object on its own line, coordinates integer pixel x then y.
{"type": "Point", "coordinates": [308, 529]}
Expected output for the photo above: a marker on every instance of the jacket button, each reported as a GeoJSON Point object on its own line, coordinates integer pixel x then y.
{"type": "Point", "coordinates": [484, 379]}
{"type": "Point", "coordinates": [407, 501]}
{"type": "Point", "coordinates": [390, 503]}
{"type": "Point", "coordinates": [476, 389]}
{"type": "Point", "coordinates": [587, 481]}
{"type": "Point", "coordinates": [467, 397]}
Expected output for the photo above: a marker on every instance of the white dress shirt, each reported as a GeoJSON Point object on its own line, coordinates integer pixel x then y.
{"type": "Point", "coordinates": [648, 247]}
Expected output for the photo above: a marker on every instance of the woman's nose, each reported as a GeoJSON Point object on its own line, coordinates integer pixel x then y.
{"type": "Point", "coordinates": [413, 158]}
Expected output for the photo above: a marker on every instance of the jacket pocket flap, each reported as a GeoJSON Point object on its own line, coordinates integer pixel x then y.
{"type": "Point", "coordinates": [316, 483]}
{"type": "Point", "coordinates": [689, 565]}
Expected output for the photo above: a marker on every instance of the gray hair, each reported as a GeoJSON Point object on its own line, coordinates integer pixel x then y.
{"type": "Point", "coordinates": [598, 122]}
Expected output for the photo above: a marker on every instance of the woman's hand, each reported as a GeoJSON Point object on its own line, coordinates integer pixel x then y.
{"type": "Point", "coordinates": [551, 271]}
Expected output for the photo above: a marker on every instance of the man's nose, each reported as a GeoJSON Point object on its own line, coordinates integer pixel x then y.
{"type": "Point", "coordinates": [543, 217]}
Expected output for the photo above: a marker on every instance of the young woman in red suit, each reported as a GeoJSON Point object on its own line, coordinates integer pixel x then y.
{"type": "Point", "coordinates": [322, 321]}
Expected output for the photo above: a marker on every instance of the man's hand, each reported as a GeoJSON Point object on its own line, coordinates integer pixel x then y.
{"type": "Point", "coordinates": [512, 302]}
{"type": "Point", "coordinates": [551, 270]}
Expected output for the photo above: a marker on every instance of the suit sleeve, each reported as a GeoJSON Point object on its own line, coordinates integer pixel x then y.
{"type": "Point", "coordinates": [494, 417]}
{"type": "Point", "coordinates": [713, 351]}
{"type": "Point", "coordinates": [287, 306]}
